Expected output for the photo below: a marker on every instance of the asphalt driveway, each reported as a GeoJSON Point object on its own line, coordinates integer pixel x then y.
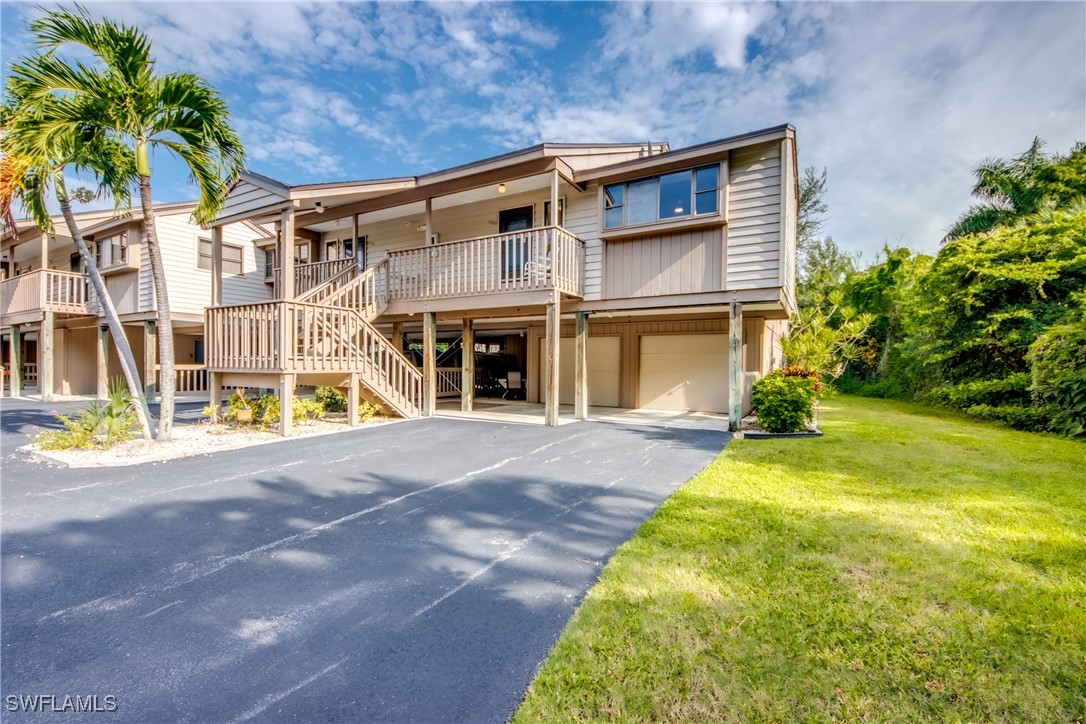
{"type": "Point", "coordinates": [418, 571]}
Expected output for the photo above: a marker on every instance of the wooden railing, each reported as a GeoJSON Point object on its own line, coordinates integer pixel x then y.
{"type": "Point", "coordinates": [308, 276]}
{"type": "Point", "coordinates": [365, 292]}
{"type": "Point", "coordinates": [298, 337]}
{"type": "Point", "coordinates": [45, 289]}
{"type": "Point", "coordinates": [30, 374]}
{"type": "Point", "coordinates": [544, 258]}
{"type": "Point", "coordinates": [189, 378]}
{"type": "Point", "coordinates": [448, 381]}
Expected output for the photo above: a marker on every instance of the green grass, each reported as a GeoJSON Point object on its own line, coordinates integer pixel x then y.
{"type": "Point", "coordinates": [910, 565]}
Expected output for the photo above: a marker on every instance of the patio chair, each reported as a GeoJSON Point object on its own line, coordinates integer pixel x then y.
{"type": "Point", "coordinates": [514, 386]}
{"type": "Point", "coordinates": [538, 271]}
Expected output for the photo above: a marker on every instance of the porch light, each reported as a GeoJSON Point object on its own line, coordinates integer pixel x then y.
{"type": "Point", "coordinates": [319, 207]}
{"type": "Point", "coordinates": [501, 188]}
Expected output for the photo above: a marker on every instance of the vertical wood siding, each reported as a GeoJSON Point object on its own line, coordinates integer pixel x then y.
{"type": "Point", "coordinates": [754, 217]}
{"type": "Point", "coordinates": [681, 262]}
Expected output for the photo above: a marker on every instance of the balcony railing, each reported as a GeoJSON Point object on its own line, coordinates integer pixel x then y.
{"type": "Point", "coordinates": [44, 290]}
{"type": "Point", "coordinates": [307, 276]}
{"type": "Point", "coordinates": [535, 259]}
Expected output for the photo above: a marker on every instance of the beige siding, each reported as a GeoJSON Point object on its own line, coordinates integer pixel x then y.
{"type": "Point", "coordinates": [247, 197]}
{"type": "Point", "coordinates": [754, 217]}
{"type": "Point", "coordinates": [681, 262]}
{"type": "Point", "coordinates": [77, 359]}
{"type": "Point", "coordinates": [790, 219]}
{"type": "Point", "coordinates": [582, 220]}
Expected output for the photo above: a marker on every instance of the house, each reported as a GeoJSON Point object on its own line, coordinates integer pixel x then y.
{"type": "Point", "coordinates": [611, 275]}
{"type": "Point", "coordinates": [54, 337]}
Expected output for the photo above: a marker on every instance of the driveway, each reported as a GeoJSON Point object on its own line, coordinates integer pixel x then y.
{"type": "Point", "coordinates": [417, 571]}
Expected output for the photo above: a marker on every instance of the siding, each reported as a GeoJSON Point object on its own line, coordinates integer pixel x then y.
{"type": "Point", "coordinates": [247, 197]}
{"type": "Point", "coordinates": [754, 217]}
{"type": "Point", "coordinates": [582, 220]}
{"type": "Point", "coordinates": [790, 221]}
{"type": "Point", "coordinates": [681, 262]}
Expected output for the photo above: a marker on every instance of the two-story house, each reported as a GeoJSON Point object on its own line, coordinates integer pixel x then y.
{"type": "Point", "coordinates": [54, 336]}
{"type": "Point", "coordinates": [611, 275]}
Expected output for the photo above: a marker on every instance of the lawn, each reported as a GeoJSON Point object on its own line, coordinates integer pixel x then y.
{"type": "Point", "coordinates": [910, 565]}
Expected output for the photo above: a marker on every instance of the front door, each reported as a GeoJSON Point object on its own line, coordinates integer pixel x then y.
{"type": "Point", "coordinates": [515, 249]}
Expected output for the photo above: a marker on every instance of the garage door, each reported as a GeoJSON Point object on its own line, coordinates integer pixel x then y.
{"type": "Point", "coordinates": [684, 372]}
{"type": "Point", "coordinates": [602, 370]}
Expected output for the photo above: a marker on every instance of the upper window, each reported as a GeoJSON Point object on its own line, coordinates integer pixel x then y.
{"type": "Point", "coordinates": [232, 257]}
{"type": "Point", "coordinates": [111, 250]}
{"type": "Point", "coordinates": [678, 195]}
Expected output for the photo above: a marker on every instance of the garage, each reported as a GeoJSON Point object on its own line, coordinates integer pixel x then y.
{"type": "Point", "coordinates": [684, 372]}
{"type": "Point", "coordinates": [603, 370]}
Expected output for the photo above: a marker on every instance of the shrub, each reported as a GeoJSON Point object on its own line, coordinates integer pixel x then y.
{"type": "Point", "coordinates": [97, 426]}
{"type": "Point", "coordinates": [784, 404]}
{"type": "Point", "coordinates": [267, 409]}
{"type": "Point", "coordinates": [332, 399]}
{"type": "Point", "coordinates": [1058, 375]}
{"type": "Point", "coordinates": [367, 410]}
{"type": "Point", "coordinates": [795, 370]}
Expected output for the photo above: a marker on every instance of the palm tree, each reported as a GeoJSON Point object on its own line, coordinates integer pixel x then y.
{"type": "Point", "coordinates": [35, 159]}
{"type": "Point", "coordinates": [178, 112]}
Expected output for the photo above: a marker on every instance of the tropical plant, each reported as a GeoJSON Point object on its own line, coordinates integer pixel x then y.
{"type": "Point", "coordinates": [331, 398]}
{"type": "Point", "coordinates": [98, 425]}
{"type": "Point", "coordinates": [36, 155]}
{"type": "Point", "coordinates": [784, 403]}
{"type": "Point", "coordinates": [827, 337]}
{"type": "Point", "coordinates": [119, 91]}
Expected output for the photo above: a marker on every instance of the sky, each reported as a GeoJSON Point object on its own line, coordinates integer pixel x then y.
{"type": "Point", "coordinates": [898, 101]}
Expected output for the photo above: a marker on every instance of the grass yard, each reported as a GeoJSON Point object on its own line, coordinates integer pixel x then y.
{"type": "Point", "coordinates": [910, 565]}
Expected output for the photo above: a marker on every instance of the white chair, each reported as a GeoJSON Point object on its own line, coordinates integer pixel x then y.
{"type": "Point", "coordinates": [513, 384]}
{"type": "Point", "coordinates": [538, 271]}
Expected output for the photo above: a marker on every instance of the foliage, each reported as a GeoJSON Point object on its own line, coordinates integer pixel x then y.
{"type": "Point", "coordinates": [97, 426]}
{"type": "Point", "coordinates": [368, 410]}
{"type": "Point", "coordinates": [822, 264]}
{"type": "Point", "coordinates": [784, 403]}
{"type": "Point", "coordinates": [912, 565]}
{"type": "Point", "coordinates": [332, 399]}
{"type": "Point", "coordinates": [1057, 360]}
{"type": "Point", "coordinates": [795, 370]}
{"type": "Point", "coordinates": [266, 408]}
{"type": "Point", "coordinates": [826, 338]}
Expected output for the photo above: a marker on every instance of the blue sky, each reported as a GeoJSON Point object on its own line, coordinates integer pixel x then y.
{"type": "Point", "coordinates": [898, 100]}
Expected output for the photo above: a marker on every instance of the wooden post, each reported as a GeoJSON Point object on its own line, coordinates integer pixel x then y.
{"type": "Point", "coordinates": [467, 372]}
{"type": "Point", "coordinates": [150, 359]}
{"type": "Point", "coordinates": [429, 253]}
{"type": "Point", "coordinates": [554, 197]}
{"type": "Point", "coordinates": [286, 404]}
{"type": "Point", "coordinates": [103, 362]}
{"type": "Point", "coordinates": [580, 403]}
{"type": "Point", "coordinates": [429, 364]}
{"type": "Point", "coordinates": [45, 356]}
{"type": "Point", "coordinates": [286, 255]}
{"type": "Point", "coordinates": [735, 367]}
{"type": "Point", "coordinates": [397, 336]}
{"type": "Point", "coordinates": [352, 400]}
{"type": "Point", "coordinates": [550, 366]}
{"type": "Point", "coordinates": [354, 235]}
{"type": "Point", "coordinates": [44, 261]}
{"type": "Point", "coordinates": [214, 389]}
{"type": "Point", "coordinates": [216, 266]}
{"type": "Point", "coordinates": [16, 361]}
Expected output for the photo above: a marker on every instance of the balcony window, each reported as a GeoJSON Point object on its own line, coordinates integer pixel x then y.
{"type": "Point", "coordinates": [232, 257]}
{"type": "Point", "coordinates": [679, 195]}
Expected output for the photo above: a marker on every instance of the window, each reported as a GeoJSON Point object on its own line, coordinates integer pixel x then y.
{"type": "Point", "coordinates": [269, 262]}
{"type": "Point", "coordinates": [678, 195]}
{"type": "Point", "coordinates": [111, 250]}
{"type": "Point", "coordinates": [232, 257]}
{"type": "Point", "coordinates": [75, 262]}
{"type": "Point", "coordinates": [561, 213]}
{"type": "Point", "coordinates": [301, 253]}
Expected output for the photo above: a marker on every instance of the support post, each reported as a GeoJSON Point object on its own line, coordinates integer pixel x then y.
{"type": "Point", "coordinates": [554, 197]}
{"type": "Point", "coordinates": [580, 403]}
{"type": "Point", "coordinates": [550, 380]}
{"type": "Point", "coordinates": [286, 404]}
{"type": "Point", "coordinates": [429, 253]}
{"type": "Point", "coordinates": [429, 364]}
{"type": "Point", "coordinates": [103, 362]}
{"type": "Point", "coordinates": [16, 361]}
{"type": "Point", "coordinates": [44, 254]}
{"type": "Point", "coordinates": [216, 266]}
{"type": "Point", "coordinates": [357, 245]}
{"type": "Point", "coordinates": [735, 367]}
{"type": "Point", "coordinates": [214, 389]}
{"type": "Point", "coordinates": [397, 336]}
{"type": "Point", "coordinates": [286, 255]}
{"type": "Point", "coordinates": [150, 359]}
{"type": "Point", "coordinates": [46, 356]}
{"type": "Point", "coordinates": [352, 400]}
{"type": "Point", "coordinates": [467, 371]}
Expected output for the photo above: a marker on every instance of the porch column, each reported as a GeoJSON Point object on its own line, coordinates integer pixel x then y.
{"type": "Point", "coordinates": [352, 400]}
{"type": "Point", "coordinates": [16, 360]}
{"type": "Point", "coordinates": [216, 266]}
{"type": "Point", "coordinates": [550, 366]}
{"type": "Point", "coordinates": [554, 197]}
{"type": "Point", "coordinates": [214, 389]}
{"type": "Point", "coordinates": [103, 362]}
{"type": "Point", "coordinates": [45, 356]}
{"type": "Point", "coordinates": [735, 367]}
{"type": "Point", "coordinates": [580, 403]}
{"type": "Point", "coordinates": [429, 364]}
{"type": "Point", "coordinates": [426, 242]}
{"type": "Point", "coordinates": [354, 235]}
{"type": "Point", "coordinates": [467, 374]}
{"type": "Point", "coordinates": [44, 254]}
{"type": "Point", "coordinates": [286, 404]}
{"type": "Point", "coordinates": [286, 256]}
{"type": "Point", "coordinates": [397, 336]}
{"type": "Point", "coordinates": [150, 358]}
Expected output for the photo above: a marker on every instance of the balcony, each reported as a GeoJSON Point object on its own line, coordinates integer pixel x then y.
{"type": "Point", "coordinates": [26, 297]}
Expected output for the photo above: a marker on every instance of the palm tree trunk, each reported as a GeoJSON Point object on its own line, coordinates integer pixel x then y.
{"type": "Point", "coordinates": [120, 340]}
{"type": "Point", "coordinates": [167, 382]}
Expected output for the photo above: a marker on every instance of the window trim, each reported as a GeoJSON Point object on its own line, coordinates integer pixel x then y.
{"type": "Point", "coordinates": [691, 219]}
{"type": "Point", "coordinates": [211, 261]}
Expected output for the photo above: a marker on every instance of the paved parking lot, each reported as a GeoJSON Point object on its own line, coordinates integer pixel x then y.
{"type": "Point", "coordinates": [417, 571]}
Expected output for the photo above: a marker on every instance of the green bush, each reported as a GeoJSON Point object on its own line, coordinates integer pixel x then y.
{"type": "Point", "coordinates": [1058, 375]}
{"type": "Point", "coordinates": [97, 426]}
{"type": "Point", "coordinates": [267, 409]}
{"type": "Point", "coordinates": [784, 404]}
{"type": "Point", "coordinates": [367, 410]}
{"type": "Point", "coordinates": [1010, 390]}
{"type": "Point", "coordinates": [332, 399]}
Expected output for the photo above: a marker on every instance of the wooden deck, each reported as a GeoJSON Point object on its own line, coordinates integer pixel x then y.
{"type": "Point", "coordinates": [25, 297]}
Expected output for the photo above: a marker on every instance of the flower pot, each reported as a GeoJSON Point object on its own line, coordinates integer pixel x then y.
{"type": "Point", "coordinates": [244, 416]}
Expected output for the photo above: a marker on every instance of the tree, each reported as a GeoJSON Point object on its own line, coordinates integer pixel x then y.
{"type": "Point", "coordinates": [35, 158]}
{"type": "Point", "coordinates": [812, 206]}
{"type": "Point", "coordinates": [823, 265]}
{"type": "Point", "coordinates": [180, 113]}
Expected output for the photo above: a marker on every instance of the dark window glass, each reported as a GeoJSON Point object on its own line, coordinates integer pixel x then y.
{"type": "Point", "coordinates": [613, 204]}
{"type": "Point", "coordinates": [675, 195]}
{"type": "Point", "coordinates": [707, 178]}
{"type": "Point", "coordinates": [706, 186]}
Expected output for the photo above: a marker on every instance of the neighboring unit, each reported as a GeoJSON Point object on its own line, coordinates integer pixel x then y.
{"type": "Point", "coordinates": [611, 275]}
{"type": "Point", "coordinates": [56, 340]}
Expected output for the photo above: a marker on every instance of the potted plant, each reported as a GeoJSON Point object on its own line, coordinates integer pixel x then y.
{"type": "Point", "coordinates": [242, 408]}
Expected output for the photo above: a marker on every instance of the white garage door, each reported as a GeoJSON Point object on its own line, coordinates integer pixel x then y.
{"type": "Point", "coordinates": [684, 372]}
{"type": "Point", "coordinates": [603, 370]}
